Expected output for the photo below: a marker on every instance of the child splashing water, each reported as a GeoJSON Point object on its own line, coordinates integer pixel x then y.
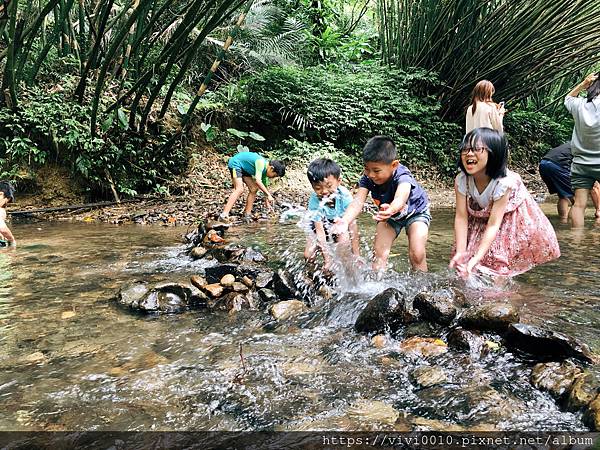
{"type": "Point", "coordinates": [499, 229]}
{"type": "Point", "coordinates": [327, 203]}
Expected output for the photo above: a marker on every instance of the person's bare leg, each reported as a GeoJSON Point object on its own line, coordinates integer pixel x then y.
{"type": "Point", "coordinates": [418, 233]}
{"type": "Point", "coordinates": [578, 209]}
{"type": "Point", "coordinates": [562, 207]}
{"type": "Point", "coordinates": [253, 189]}
{"type": "Point", "coordinates": [384, 238]}
{"type": "Point", "coordinates": [595, 193]}
{"type": "Point", "coordinates": [238, 189]}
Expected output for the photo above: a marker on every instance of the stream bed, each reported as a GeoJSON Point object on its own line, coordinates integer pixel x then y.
{"type": "Point", "coordinates": [71, 360]}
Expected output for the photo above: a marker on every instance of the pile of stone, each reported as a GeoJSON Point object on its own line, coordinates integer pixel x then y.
{"type": "Point", "coordinates": [561, 362]}
{"type": "Point", "coordinates": [238, 280]}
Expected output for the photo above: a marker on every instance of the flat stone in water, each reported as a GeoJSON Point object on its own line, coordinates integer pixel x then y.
{"type": "Point", "coordinates": [492, 317]}
{"type": "Point", "coordinates": [131, 294]}
{"type": "Point", "coordinates": [547, 344]}
{"type": "Point", "coordinates": [423, 347]}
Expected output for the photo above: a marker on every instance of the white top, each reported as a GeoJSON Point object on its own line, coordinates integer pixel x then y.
{"type": "Point", "coordinates": [585, 143]}
{"type": "Point", "coordinates": [486, 116]}
{"type": "Point", "coordinates": [496, 188]}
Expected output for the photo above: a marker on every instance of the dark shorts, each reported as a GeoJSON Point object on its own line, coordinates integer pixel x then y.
{"type": "Point", "coordinates": [584, 176]}
{"type": "Point", "coordinates": [557, 178]}
{"type": "Point", "coordinates": [398, 224]}
{"type": "Point", "coordinates": [238, 173]}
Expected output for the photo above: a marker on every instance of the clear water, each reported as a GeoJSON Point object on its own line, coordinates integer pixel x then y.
{"type": "Point", "coordinates": [70, 360]}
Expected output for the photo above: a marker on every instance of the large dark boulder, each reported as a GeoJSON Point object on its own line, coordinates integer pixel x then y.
{"type": "Point", "coordinates": [546, 344]}
{"type": "Point", "coordinates": [388, 310]}
{"type": "Point", "coordinates": [437, 306]}
{"type": "Point", "coordinates": [491, 317]}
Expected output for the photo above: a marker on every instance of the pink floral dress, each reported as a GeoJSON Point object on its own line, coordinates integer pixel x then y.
{"type": "Point", "coordinates": [525, 238]}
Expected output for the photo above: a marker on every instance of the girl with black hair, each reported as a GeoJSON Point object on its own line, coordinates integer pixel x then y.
{"type": "Point", "coordinates": [499, 229]}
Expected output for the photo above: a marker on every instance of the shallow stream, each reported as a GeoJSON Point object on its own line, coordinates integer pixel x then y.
{"type": "Point", "coordinates": [71, 360]}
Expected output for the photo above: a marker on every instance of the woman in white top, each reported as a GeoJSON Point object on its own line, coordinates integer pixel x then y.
{"type": "Point", "coordinates": [483, 112]}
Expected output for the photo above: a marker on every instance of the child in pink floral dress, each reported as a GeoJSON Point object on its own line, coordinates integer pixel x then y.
{"type": "Point", "coordinates": [499, 229]}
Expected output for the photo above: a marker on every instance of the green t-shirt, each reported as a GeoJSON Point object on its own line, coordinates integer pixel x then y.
{"type": "Point", "coordinates": [251, 164]}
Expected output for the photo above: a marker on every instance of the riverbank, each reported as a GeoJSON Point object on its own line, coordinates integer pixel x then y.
{"type": "Point", "coordinates": [201, 193]}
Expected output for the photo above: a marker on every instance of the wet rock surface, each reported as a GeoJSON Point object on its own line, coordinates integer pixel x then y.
{"type": "Point", "coordinates": [555, 378]}
{"type": "Point", "coordinates": [437, 306]}
{"type": "Point", "coordinates": [492, 317]}
{"type": "Point", "coordinates": [426, 376]}
{"type": "Point", "coordinates": [422, 347]}
{"type": "Point", "coordinates": [546, 344]}
{"type": "Point", "coordinates": [386, 311]}
{"type": "Point", "coordinates": [163, 297]}
{"type": "Point", "coordinates": [287, 309]}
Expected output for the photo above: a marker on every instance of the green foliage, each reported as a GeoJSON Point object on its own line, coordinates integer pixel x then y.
{"type": "Point", "coordinates": [531, 134]}
{"type": "Point", "coordinates": [49, 126]}
{"type": "Point", "coordinates": [347, 108]}
{"type": "Point", "coordinates": [522, 46]}
{"type": "Point", "coordinates": [292, 151]}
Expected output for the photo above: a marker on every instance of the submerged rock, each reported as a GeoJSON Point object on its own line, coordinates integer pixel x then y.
{"type": "Point", "coordinates": [555, 378]}
{"type": "Point", "coordinates": [492, 317]}
{"type": "Point", "coordinates": [467, 340]}
{"type": "Point", "coordinates": [162, 297]}
{"type": "Point", "coordinates": [373, 411]}
{"type": "Point", "coordinates": [387, 310]}
{"type": "Point", "coordinates": [198, 252]}
{"type": "Point", "coordinates": [437, 306]}
{"type": "Point", "coordinates": [131, 294]}
{"type": "Point", "coordinates": [286, 309]}
{"type": "Point", "coordinates": [546, 344]}
{"type": "Point", "coordinates": [427, 376]}
{"type": "Point", "coordinates": [232, 301]}
{"type": "Point", "coordinates": [423, 347]}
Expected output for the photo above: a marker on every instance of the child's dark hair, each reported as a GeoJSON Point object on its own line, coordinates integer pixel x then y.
{"type": "Point", "coordinates": [594, 89]}
{"type": "Point", "coordinates": [380, 149]}
{"type": "Point", "coordinates": [8, 190]}
{"type": "Point", "coordinates": [278, 167]}
{"type": "Point", "coordinates": [321, 168]}
{"type": "Point", "coordinates": [497, 150]}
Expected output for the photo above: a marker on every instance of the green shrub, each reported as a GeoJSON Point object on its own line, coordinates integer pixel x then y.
{"type": "Point", "coordinates": [347, 108]}
{"type": "Point", "coordinates": [50, 126]}
{"type": "Point", "coordinates": [531, 134]}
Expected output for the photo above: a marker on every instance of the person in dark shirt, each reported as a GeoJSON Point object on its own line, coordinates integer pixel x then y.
{"type": "Point", "coordinates": [555, 169]}
{"type": "Point", "coordinates": [402, 204]}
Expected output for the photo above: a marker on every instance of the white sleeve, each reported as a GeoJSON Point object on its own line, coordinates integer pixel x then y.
{"type": "Point", "coordinates": [572, 103]}
{"type": "Point", "coordinates": [504, 184]}
{"type": "Point", "coordinates": [461, 183]}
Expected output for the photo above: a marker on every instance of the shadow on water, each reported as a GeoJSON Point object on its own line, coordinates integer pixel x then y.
{"type": "Point", "coordinates": [70, 360]}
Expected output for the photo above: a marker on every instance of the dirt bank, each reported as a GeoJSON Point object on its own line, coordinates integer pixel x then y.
{"type": "Point", "coordinates": [202, 192]}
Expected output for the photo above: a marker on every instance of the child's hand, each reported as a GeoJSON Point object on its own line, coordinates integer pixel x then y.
{"type": "Point", "coordinates": [384, 213]}
{"type": "Point", "coordinates": [340, 226]}
{"type": "Point", "coordinates": [460, 258]}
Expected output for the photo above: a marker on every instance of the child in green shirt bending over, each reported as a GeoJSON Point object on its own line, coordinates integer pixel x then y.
{"type": "Point", "coordinates": [253, 170]}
